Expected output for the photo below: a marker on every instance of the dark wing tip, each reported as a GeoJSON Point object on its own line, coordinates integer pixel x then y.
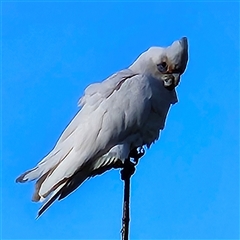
{"type": "Point", "coordinates": [21, 179]}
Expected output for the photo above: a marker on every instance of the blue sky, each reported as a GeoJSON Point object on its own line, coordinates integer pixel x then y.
{"type": "Point", "coordinates": [187, 185]}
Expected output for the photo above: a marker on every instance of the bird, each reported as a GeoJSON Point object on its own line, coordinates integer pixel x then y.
{"type": "Point", "coordinates": [124, 112]}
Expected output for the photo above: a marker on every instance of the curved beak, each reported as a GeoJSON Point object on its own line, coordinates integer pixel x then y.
{"type": "Point", "coordinates": [172, 81]}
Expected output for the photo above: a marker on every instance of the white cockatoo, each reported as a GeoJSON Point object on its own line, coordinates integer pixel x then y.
{"type": "Point", "coordinates": [126, 111]}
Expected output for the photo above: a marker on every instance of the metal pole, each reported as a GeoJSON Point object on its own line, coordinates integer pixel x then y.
{"type": "Point", "coordinates": [126, 173]}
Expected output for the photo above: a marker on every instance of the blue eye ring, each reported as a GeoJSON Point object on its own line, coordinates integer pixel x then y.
{"type": "Point", "coordinates": [162, 67]}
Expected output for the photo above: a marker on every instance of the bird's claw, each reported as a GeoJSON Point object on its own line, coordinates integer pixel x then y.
{"type": "Point", "coordinates": [136, 154]}
{"type": "Point", "coordinates": [128, 165]}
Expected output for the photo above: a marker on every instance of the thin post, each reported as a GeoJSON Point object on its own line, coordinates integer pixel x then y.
{"type": "Point", "coordinates": [126, 173]}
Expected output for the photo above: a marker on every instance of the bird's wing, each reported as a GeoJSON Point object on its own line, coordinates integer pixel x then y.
{"type": "Point", "coordinates": [95, 93]}
{"type": "Point", "coordinates": [93, 96]}
{"type": "Point", "coordinates": [122, 107]}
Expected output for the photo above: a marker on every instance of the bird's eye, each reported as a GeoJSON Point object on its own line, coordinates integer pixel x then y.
{"type": "Point", "coordinates": [162, 67]}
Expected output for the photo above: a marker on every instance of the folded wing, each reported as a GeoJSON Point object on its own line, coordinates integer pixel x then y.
{"type": "Point", "coordinates": [112, 111]}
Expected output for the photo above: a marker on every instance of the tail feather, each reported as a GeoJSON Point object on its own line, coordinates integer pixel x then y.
{"type": "Point", "coordinates": [36, 197]}
{"type": "Point", "coordinates": [64, 189]}
{"type": "Point", "coordinates": [61, 189]}
{"type": "Point", "coordinates": [55, 194]}
{"type": "Point", "coordinates": [102, 165]}
{"type": "Point", "coordinates": [73, 183]}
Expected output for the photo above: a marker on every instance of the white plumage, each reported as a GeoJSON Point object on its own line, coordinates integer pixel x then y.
{"type": "Point", "coordinates": [125, 111]}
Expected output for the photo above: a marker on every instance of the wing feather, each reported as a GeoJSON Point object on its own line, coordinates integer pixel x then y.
{"type": "Point", "coordinates": [111, 111]}
{"type": "Point", "coordinates": [100, 130]}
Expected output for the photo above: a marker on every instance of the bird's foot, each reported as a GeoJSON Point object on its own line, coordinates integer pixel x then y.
{"type": "Point", "coordinates": [128, 165]}
{"type": "Point", "coordinates": [136, 154]}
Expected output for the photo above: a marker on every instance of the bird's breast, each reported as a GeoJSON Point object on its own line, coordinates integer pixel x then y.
{"type": "Point", "coordinates": [161, 101]}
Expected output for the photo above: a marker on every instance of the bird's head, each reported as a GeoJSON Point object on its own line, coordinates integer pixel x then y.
{"type": "Point", "coordinates": [166, 64]}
